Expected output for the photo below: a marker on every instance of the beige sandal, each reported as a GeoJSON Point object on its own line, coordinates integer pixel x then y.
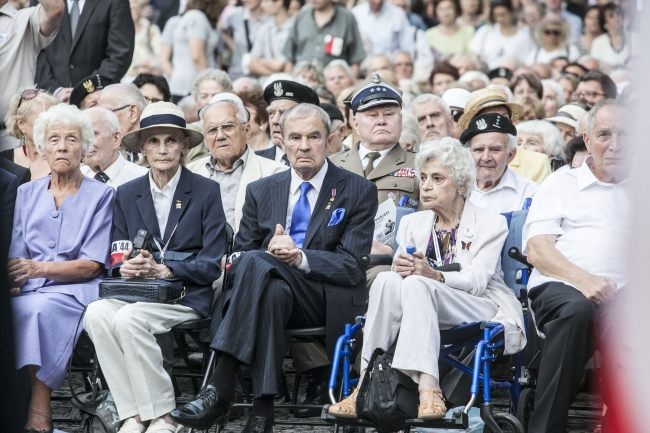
{"type": "Point", "coordinates": [132, 425]}
{"type": "Point", "coordinates": [432, 405]}
{"type": "Point", "coordinates": [160, 426]}
{"type": "Point", "coordinates": [346, 408]}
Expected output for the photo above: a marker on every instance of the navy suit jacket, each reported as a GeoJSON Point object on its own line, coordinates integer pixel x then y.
{"type": "Point", "coordinates": [8, 188]}
{"type": "Point", "coordinates": [103, 44]}
{"type": "Point", "coordinates": [333, 251]}
{"type": "Point", "coordinates": [23, 174]}
{"type": "Point", "coordinates": [196, 248]}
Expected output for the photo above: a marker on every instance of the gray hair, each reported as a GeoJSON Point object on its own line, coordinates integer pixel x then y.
{"type": "Point", "coordinates": [217, 75]}
{"type": "Point", "coordinates": [308, 66]}
{"type": "Point", "coordinates": [555, 87]}
{"type": "Point", "coordinates": [550, 135]}
{"type": "Point", "coordinates": [303, 111]}
{"type": "Point", "coordinates": [429, 98]}
{"type": "Point", "coordinates": [126, 93]}
{"type": "Point", "coordinates": [341, 64]}
{"type": "Point", "coordinates": [107, 116]}
{"type": "Point", "coordinates": [67, 115]}
{"type": "Point", "coordinates": [410, 129]}
{"type": "Point", "coordinates": [452, 155]}
{"type": "Point", "coordinates": [242, 112]}
{"type": "Point", "coordinates": [591, 115]}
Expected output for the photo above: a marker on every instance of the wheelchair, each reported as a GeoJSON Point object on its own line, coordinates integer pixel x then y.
{"type": "Point", "coordinates": [486, 338]}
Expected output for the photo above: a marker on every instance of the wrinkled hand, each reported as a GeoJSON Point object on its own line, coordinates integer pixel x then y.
{"type": "Point", "coordinates": [404, 264]}
{"type": "Point", "coordinates": [21, 270]}
{"type": "Point", "coordinates": [597, 289]}
{"type": "Point", "coordinates": [143, 266]}
{"type": "Point", "coordinates": [282, 247]}
{"type": "Point", "coordinates": [424, 268]}
{"type": "Point", "coordinates": [15, 291]}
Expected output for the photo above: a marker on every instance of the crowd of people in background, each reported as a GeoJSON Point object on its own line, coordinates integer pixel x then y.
{"type": "Point", "coordinates": [293, 121]}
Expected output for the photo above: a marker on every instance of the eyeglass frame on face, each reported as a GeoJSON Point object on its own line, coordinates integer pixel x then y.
{"type": "Point", "coordinates": [227, 128]}
{"type": "Point", "coordinates": [24, 95]}
{"type": "Point", "coordinates": [115, 110]}
{"type": "Point", "coordinates": [587, 93]}
{"type": "Point", "coordinates": [552, 32]}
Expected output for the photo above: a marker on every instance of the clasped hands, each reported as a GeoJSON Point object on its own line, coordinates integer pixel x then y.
{"type": "Point", "coordinates": [143, 266]}
{"type": "Point", "coordinates": [416, 264]}
{"type": "Point", "coordinates": [21, 270]}
{"type": "Point", "coordinates": [283, 248]}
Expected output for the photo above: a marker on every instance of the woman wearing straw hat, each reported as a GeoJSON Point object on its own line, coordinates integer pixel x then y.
{"type": "Point", "coordinates": [183, 213]}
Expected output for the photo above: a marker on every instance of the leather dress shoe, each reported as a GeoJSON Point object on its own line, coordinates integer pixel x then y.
{"type": "Point", "coordinates": [203, 412]}
{"type": "Point", "coordinates": [316, 395]}
{"type": "Point", "coordinates": [258, 424]}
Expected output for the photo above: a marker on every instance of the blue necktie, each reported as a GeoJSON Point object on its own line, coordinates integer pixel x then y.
{"type": "Point", "coordinates": [300, 216]}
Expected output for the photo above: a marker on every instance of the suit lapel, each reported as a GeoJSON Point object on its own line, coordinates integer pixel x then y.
{"type": "Point", "coordinates": [88, 9]}
{"type": "Point", "coordinates": [330, 182]}
{"type": "Point", "coordinates": [389, 164]}
{"type": "Point", "coordinates": [180, 202]}
{"type": "Point", "coordinates": [144, 203]}
{"type": "Point", "coordinates": [351, 160]}
{"type": "Point", "coordinates": [280, 199]}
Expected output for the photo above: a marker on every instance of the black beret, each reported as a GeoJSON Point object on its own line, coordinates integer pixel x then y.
{"type": "Point", "coordinates": [501, 72]}
{"type": "Point", "coordinates": [87, 86]}
{"type": "Point", "coordinates": [333, 111]}
{"type": "Point", "coordinates": [292, 90]}
{"type": "Point", "coordinates": [374, 94]}
{"type": "Point", "coordinates": [490, 122]}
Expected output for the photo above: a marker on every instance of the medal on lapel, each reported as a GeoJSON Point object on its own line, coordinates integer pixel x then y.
{"type": "Point", "coordinates": [178, 204]}
{"type": "Point", "coordinates": [331, 200]}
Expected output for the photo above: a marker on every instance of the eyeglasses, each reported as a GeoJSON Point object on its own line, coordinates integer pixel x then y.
{"type": "Point", "coordinates": [28, 94]}
{"type": "Point", "coordinates": [552, 32]}
{"type": "Point", "coordinates": [115, 110]}
{"type": "Point", "coordinates": [400, 64]}
{"type": "Point", "coordinates": [586, 94]}
{"type": "Point", "coordinates": [227, 128]}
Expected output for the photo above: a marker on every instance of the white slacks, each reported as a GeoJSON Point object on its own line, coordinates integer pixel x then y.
{"type": "Point", "coordinates": [124, 336]}
{"type": "Point", "coordinates": [413, 310]}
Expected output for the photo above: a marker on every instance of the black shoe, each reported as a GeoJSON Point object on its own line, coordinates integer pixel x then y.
{"type": "Point", "coordinates": [205, 411]}
{"type": "Point", "coordinates": [316, 395]}
{"type": "Point", "coordinates": [258, 424]}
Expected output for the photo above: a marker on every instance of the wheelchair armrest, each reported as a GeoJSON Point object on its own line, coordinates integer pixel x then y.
{"type": "Point", "coordinates": [515, 254]}
{"type": "Point", "coordinates": [376, 259]}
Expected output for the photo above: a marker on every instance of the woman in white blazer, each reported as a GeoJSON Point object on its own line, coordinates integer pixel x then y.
{"type": "Point", "coordinates": [413, 302]}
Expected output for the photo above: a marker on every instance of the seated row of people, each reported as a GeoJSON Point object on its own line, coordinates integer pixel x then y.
{"type": "Point", "coordinates": [296, 225]}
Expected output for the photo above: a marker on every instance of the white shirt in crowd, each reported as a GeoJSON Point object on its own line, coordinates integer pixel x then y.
{"type": "Point", "coordinates": [81, 5]}
{"type": "Point", "coordinates": [162, 199]}
{"type": "Point", "coordinates": [393, 24]}
{"type": "Point", "coordinates": [491, 45]}
{"type": "Point", "coordinates": [589, 217]}
{"type": "Point", "coordinates": [509, 195]}
{"type": "Point", "coordinates": [364, 151]}
{"type": "Point", "coordinates": [119, 172]}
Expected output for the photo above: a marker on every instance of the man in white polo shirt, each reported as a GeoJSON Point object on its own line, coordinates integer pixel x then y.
{"type": "Point", "coordinates": [575, 237]}
{"type": "Point", "coordinates": [491, 139]}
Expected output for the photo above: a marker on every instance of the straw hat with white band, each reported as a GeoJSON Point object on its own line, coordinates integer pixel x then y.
{"type": "Point", "coordinates": [486, 98]}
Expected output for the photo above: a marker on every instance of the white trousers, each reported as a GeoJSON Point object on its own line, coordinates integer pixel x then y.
{"type": "Point", "coordinates": [124, 336]}
{"type": "Point", "coordinates": [413, 310]}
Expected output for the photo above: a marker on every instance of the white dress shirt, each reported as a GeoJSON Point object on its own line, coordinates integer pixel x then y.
{"type": "Point", "coordinates": [364, 151]}
{"type": "Point", "coordinates": [590, 219]}
{"type": "Point", "coordinates": [509, 195]}
{"type": "Point", "coordinates": [162, 199]}
{"type": "Point", "coordinates": [119, 172]}
{"type": "Point", "coordinates": [312, 195]}
{"type": "Point", "coordinates": [393, 24]}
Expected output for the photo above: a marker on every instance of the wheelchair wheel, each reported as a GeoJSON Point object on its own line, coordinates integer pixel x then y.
{"type": "Point", "coordinates": [507, 422]}
{"type": "Point", "coordinates": [525, 406]}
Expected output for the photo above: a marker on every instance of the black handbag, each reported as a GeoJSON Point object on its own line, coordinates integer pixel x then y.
{"type": "Point", "coordinates": [387, 396]}
{"type": "Point", "coordinates": [166, 291]}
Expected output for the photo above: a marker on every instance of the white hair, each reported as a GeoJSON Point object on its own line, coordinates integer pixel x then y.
{"type": "Point", "coordinates": [229, 98]}
{"type": "Point", "coordinates": [452, 155]}
{"type": "Point", "coordinates": [470, 76]}
{"type": "Point", "coordinates": [430, 98]}
{"type": "Point", "coordinates": [68, 115]}
{"type": "Point", "coordinates": [126, 93]}
{"type": "Point", "coordinates": [556, 88]}
{"type": "Point", "coordinates": [107, 116]}
{"type": "Point", "coordinates": [550, 135]}
{"type": "Point", "coordinates": [341, 64]}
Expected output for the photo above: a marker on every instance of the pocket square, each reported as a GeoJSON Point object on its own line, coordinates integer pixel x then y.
{"type": "Point", "coordinates": [337, 217]}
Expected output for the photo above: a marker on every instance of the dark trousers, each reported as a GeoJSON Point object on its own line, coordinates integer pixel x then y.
{"type": "Point", "coordinates": [266, 297]}
{"type": "Point", "coordinates": [567, 319]}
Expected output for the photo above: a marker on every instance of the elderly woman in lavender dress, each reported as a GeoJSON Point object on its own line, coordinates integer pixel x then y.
{"type": "Point", "coordinates": [60, 245]}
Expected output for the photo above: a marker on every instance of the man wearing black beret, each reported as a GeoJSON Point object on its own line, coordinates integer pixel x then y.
{"type": "Point", "coordinates": [87, 92]}
{"type": "Point", "coordinates": [282, 95]}
{"type": "Point", "coordinates": [491, 139]}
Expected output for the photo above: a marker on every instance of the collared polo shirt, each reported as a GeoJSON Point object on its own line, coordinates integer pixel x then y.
{"type": "Point", "coordinates": [509, 195]}
{"type": "Point", "coordinates": [590, 218]}
{"type": "Point", "coordinates": [228, 181]}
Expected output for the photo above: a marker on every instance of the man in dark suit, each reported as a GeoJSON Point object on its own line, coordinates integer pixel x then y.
{"type": "Point", "coordinates": [95, 37]}
{"type": "Point", "coordinates": [303, 233]}
{"type": "Point", "coordinates": [19, 171]}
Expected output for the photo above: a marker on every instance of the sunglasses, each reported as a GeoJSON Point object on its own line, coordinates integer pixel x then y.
{"type": "Point", "coordinates": [28, 94]}
{"type": "Point", "coordinates": [552, 32]}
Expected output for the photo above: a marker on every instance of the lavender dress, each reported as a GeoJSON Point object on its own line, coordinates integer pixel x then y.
{"type": "Point", "coordinates": [46, 313]}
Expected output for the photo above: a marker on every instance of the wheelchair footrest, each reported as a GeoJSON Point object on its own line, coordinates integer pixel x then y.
{"type": "Point", "coordinates": [325, 415]}
{"type": "Point", "coordinates": [459, 421]}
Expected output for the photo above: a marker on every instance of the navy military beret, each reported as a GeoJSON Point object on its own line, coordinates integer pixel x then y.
{"type": "Point", "coordinates": [292, 90]}
{"type": "Point", "coordinates": [490, 122]}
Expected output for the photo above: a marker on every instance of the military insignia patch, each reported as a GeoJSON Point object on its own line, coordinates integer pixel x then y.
{"type": "Point", "coordinates": [277, 89]}
{"type": "Point", "coordinates": [89, 86]}
{"type": "Point", "coordinates": [481, 124]}
{"type": "Point", "coordinates": [404, 172]}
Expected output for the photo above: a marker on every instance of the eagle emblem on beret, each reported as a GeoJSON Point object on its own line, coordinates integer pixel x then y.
{"type": "Point", "coordinates": [481, 124]}
{"type": "Point", "coordinates": [89, 86]}
{"type": "Point", "coordinates": [277, 89]}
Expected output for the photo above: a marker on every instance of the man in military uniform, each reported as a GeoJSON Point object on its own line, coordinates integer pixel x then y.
{"type": "Point", "coordinates": [377, 117]}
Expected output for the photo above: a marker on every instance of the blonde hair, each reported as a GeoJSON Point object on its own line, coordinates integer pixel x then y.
{"type": "Point", "coordinates": [20, 109]}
